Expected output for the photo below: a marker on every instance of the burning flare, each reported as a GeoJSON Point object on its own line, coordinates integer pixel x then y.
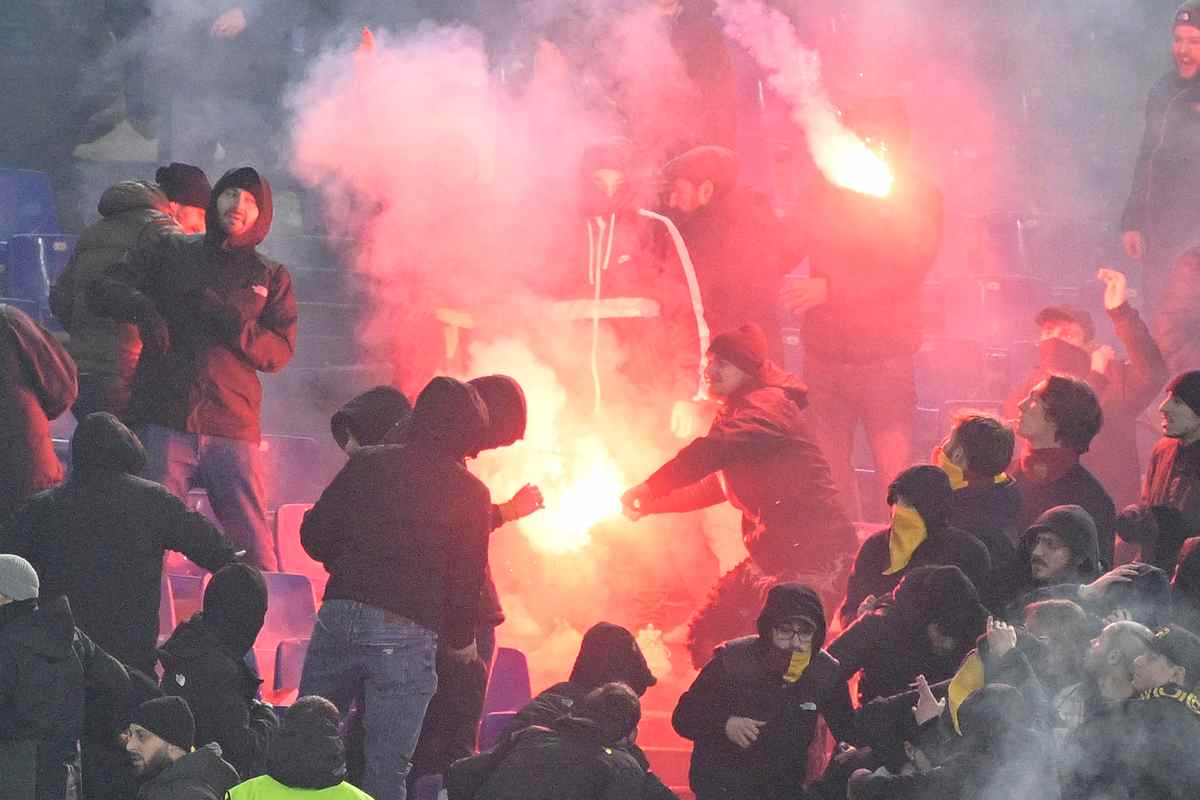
{"type": "Point", "coordinates": [848, 162]}
{"type": "Point", "coordinates": [584, 493]}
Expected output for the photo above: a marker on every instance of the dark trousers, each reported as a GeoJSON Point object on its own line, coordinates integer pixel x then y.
{"type": "Point", "coordinates": [230, 470]}
{"type": "Point", "coordinates": [882, 396]}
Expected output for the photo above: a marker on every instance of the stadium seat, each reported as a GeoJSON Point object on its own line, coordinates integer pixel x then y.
{"type": "Point", "coordinates": [34, 262]}
{"type": "Point", "coordinates": [292, 557]}
{"type": "Point", "coordinates": [289, 664]}
{"type": "Point", "coordinates": [493, 725]}
{"type": "Point", "coordinates": [508, 689]}
{"type": "Point", "coordinates": [26, 203]}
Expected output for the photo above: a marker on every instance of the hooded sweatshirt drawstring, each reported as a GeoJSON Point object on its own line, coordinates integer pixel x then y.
{"type": "Point", "coordinates": [599, 256]}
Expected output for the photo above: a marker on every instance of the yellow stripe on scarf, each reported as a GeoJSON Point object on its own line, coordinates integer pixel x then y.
{"type": "Point", "coordinates": [968, 678]}
{"type": "Point", "coordinates": [799, 663]}
{"type": "Point", "coordinates": [907, 533]}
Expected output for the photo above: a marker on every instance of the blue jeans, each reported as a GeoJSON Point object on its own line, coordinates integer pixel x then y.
{"type": "Point", "coordinates": [230, 470]}
{"type": "Point", "coordinates": [360, 650]}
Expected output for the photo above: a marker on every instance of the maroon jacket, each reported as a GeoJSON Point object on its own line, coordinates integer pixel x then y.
{"type": "Point", "coordinates": [761, 456]}
{"type": "Point", "coordinates": [1173, 479]}
{"type": "Point", "coordinates": [37, 383]}
{"type": "Point", "coordinates": [1124, 392]}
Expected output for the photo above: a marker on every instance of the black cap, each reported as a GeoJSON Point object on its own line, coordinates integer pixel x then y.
{"type": "Point", "coordinates": [184, 184]}
{"type": "Point", "coordinates": [169, 718]}
{"type": "Point", "coordinates": [1186, 386]}
{"type": "Point", "coordinates": [1181, 647]}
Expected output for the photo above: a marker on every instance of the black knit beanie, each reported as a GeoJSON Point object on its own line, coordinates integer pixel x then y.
{"type": "Point", "coordinates": [1186, 385]}
{"type": "Point", "coordinates": [1188, 14]}
{"type": "Point", "coordinates": [169, 718]}
{"type": "Point", "coordinates": [745, 348]}
{"type": "Point", "coordinates": [184, 184]}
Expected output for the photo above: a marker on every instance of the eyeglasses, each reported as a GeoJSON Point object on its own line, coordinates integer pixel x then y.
{"type": "Point", "coordinates": [794, 631]}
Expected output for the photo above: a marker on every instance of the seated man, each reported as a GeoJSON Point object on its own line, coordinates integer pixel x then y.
{"type": "Point", "coordinates": [985, 502]}
{"type": "Point", "coordinates": [761, 456]}
{"type": "Point", "coordinates": [1058, 550]}
{"type": "Point", "coordinates": [919, 534]}
{"type": "Point", "coordinates": [204, 663]}
{"type": "Point", "coordinates": [752, 711]}
{"type": "Point", "coordinates": [160, 744]}
{"type": "Point", "coordinates": [1058, 420]}
{"type": "Point", "coordinates": [306, 758]}
{"type": "Point", "coordinates": [577, 756]}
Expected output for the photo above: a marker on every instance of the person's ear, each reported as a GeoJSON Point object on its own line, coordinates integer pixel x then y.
{"type": "Point", "coordinates": [705, 193]}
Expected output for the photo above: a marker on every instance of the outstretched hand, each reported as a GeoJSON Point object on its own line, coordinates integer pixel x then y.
{"type": "Point", "coordinates": [928, 707]}
{"type": "Point", "coordinates": [1116, 287]}
{"type": "Point", "coordinates": [1122, 574]}
{"type": "Point", "coordinates": [632, 501]}
{"type": "Point", "coordinates": [1001, 637]}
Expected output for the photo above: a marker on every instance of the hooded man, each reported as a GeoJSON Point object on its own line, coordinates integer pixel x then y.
{"type": "Point", "coordinates": [1058, 420]}
{"type": "Point", "coordinates": [212, 313]}
{"type": "Point", "coordinates": [46, 664]}
{"type": "Point", "coordinates": [204, 663]}
{"type": "Point", "coordinates": [403, 531]}
{"type": "Point", "coordinates": [132, 214]}
{"type": "Point", "coordinates": [1159, 221]}
{"type": "Point", "coordinates": [307, 757]}
{"type": "Point", "coordinates": [752, 710]}
{"type": "Point", "coordinates": [99, 538]}
{"type": "Point", "coordinates": [1124, 388]}
{"type": "Point", "coordinates": [925, 627]}
{"type": "Point", "coordinates": [861, 306]}
{"type": "Point", "coordinates": [37, 384]}
{"type": "Point", "coordinates": [760, 456]}
{"type": "Point", "coordinates": [159, 742]}
{"type": "Point", "coordinates": [1056, 555]}
{"type": "Point", "coordinates": [1173, 474]}
{"type": "Point", "coordinates": [920, 534]}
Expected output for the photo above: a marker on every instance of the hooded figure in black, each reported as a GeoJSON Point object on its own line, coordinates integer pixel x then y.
{"type": "Point", "coordinates": [925, 627]}
{"type": "Point", "coordinates": [1158, 530]}
{"type": "Point", "coordinates": [1037, 577]}
{"type": "Point", "coordinates": [204, 663]}
{"type": "Point", "coordinates": [307, 752]}
{"type": "Point", "coordinates": [752, 710]}
{"type": "Point", "coordinates": [213, 313]}
{"type": "Point", "coordinates": [920, 534]}
{"type": "Point", "coordinates": [99, 538]}
{"type": "Point", "coordinates": [368, 418]}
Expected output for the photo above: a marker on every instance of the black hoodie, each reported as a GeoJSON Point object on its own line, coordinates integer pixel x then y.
{"type": "Point", "coordinates": [203, 662]}
{"type": "Point", "coordinates": [405, 527]}
{"type": "Point", "coordinates": [772, 470]}
{"type": "Point", "coordinates": [1075, 527]}
{"type": "Point", "coordinates": [99, 538]}
{"type": "Point", "coordinates": [745, 678]}
{"type": "Point", "coordinates": [230, 312]}
{"type": "Point", "coordinates": [370, 416]}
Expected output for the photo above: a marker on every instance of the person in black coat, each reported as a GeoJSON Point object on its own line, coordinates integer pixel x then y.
{"type": "Point", "coordinates": [204, 663]}
{"type": "Point", "coordinates": [752, 711]}
{"type": "Point", "coordinates": [46, 665]}
{"type": "Point", "coordinates": [925, 627]}
{"type": "Point", "coordinates": [920, 534]}
{"type": "Point", "coordinates": [99, 538]}
{"type": "Point", "coordinates": [1058, 420]}
{"type": "Point", "coordinates": [1057, 554]}
{"type": "Point", "coordinates": [986, 502]}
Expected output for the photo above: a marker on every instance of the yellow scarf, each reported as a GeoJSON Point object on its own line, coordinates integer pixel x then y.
{"type": "Point", "coordinates": [968, 678]}
{"type": "Point", "coordinates": [799, 663]}
{"type": "Point", "coordinates": [958, 478]}
{"type": "Point", "coordinates": [907, 533]}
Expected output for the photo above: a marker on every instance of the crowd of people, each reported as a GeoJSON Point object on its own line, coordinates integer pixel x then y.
{"type": "Point", "coordinates": [1024, 625]}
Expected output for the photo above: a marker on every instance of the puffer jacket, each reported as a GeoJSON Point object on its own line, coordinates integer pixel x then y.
{"type": "Point", "coordinates": [133, 214]}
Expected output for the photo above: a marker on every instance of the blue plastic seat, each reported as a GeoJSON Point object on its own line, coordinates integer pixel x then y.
{"type": "Point", "coordinates": [508, 689]}
{"type": "Point", "coordinates": [493, 725]}
{"type": "Point", "coordinates": [35, 261]}
{"type": "Point", "coordinates": [26, 203]}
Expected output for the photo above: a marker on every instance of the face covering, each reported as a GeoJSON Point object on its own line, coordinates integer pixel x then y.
{"type": "Point", "coordinates": [907, 533]}
{"type": "Point", "coordinates": [796, 666]}
{"type": "Point", "coordinates": [1057, 355]}
{"type": "Point", "coordinates": [958, 478]}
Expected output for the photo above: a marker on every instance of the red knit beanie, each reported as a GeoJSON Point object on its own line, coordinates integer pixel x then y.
{"type": "Point", "coordinates": [745, 348]}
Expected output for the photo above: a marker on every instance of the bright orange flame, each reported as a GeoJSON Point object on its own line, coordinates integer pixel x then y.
{"type": "Point", "coordinates": [587, 493]}
{"type": "Point", "coordinates": [852, 165]}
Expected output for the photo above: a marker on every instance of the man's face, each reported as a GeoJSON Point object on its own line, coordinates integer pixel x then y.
{"type": "Point", "coordinates": [684, 196]}
{"type": "Point", "coordinates": [1186, 49]}
{"type": "Point", "coordinates": [1070, 332]}
{"type": "Point", "coordinates": [1178, 419]}
{"type": "Point", "coordinates": [1096, 660]}
{"type": "Point", "coordinates": [190, 218]}
{"type": "Point", "coordinates": [1032, 423]}
{"type": "Point", "coordinates": [1050, 556]}
{"type": "Point", "coordinates": [147, 752]}
{"type": "Point", "coordinates": [608, 181]}
{"type": "Point", "coordinates": [954, 452]}
{"type": "Point", "coordinates": [794, 636]}
{"type": "Point", "coordinates": [722, 378]}
{"type": "Point", "coordinates": [939, 642]}
{"type": "Point", "coordinates": [1151, 670]}
{"type": "Point", "coordinates": [238, 211]}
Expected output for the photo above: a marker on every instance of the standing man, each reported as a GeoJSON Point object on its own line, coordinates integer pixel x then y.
{"type": "Point", "coordinates": [1124, 388]}
{"type": "Point", "coordinates": [132, 214]}
{"type": "Point", "coordinates": [760, 456]}
{"type": "Point", "coordinates": [212, 313]}
{"type": "Point", "coordinates": [37, 384]}
{"type": "Point", "coordinates": [1162, 217]}
{"type": "Point", "coordinates": [868, 258]}
{"type": "Point", "coordinates": [1173, 474]}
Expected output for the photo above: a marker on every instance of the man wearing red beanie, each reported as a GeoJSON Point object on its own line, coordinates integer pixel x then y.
{"type": "Point", "coordinates": [760, 456]}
